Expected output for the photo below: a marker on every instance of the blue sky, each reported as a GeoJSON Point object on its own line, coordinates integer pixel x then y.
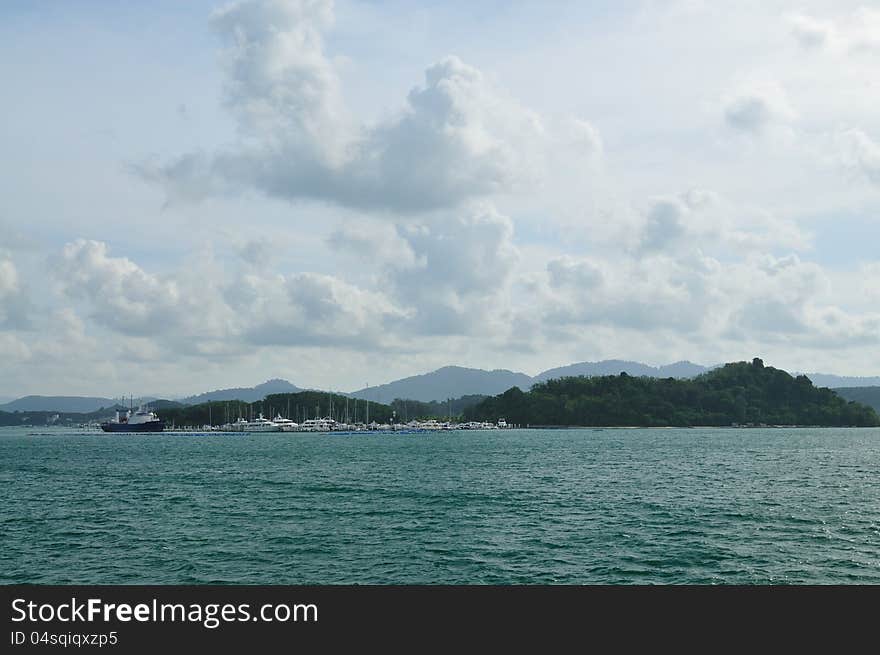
{"type": "Point", "coordinates": [335, 192]}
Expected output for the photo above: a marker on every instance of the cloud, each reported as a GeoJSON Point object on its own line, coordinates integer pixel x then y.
{"type": "Point", "coordinates": [14, 303]}
{"type": "Point", "coordinates": [808, 325]}
{"type": "Point", "coordinates": [861, 154]}
{"type": "Point", "coordinates": [583, 136]}
{"type": "Point", "coordinates": [13, 350]}
{"type": "Point", "coordinates": [8, 278]}
{"type": "Point", "coordinates": [184, 311]}
{"type": "Point", "coordinates": [811, 32]}
{"type": "Point", "coordinates": [308, 309]}
{"type": "Point", "coordinates": [869, 275]}
{"type": "Point", "coordinates": [571, 272]}
{"type": "Point", "coordinates": [280, 84]}
{"type": "Point", "coordinates": [124, 297]}
{"type": "Point", "coordinates": [257, 252]}
{"type": "Point", "coordinates": [373, 241]}
{"type": "Point", "coordinates": [761, 298]}
{"type": "Point", "coordinates": [456, 280]}
{"type": "Point", "coordinates": [445, 271]}
{"type": "Point", "coordinates": [855, 33]}
{"type": "Point", "coordinates": [643, 294]}
{"type": "Point", "coordinates": [665, 224]}
{"type": "Point", "coordinates": [700, 218]}
{"type": "Point", "coordinates": [756, 106]}
{"type": "Point", "coordinates": [472, 254]}
{"type": "Point", "coordinates": [200, 315]}
{"type": "Point", "coordinates": [865, 36]}
{"type": "Point", "coordinates": [776, 292]}
{"type": "Point", "coordinates": [457, 138]}
{"type": "Point", "coordinates": [787, 279]}
{"type": "Point", "coordinates": [789, 300]}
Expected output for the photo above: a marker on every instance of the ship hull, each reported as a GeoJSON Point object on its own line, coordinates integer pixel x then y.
{"type": "Point", "coordinates": [150, 426]}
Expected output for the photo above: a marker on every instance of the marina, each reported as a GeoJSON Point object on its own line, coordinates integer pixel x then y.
{"type": "Point", "coordinates": [329, 425]}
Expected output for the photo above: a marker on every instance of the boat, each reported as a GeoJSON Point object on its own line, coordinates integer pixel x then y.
{"type": "Point", "coordinates": [140, 421]}
{"type": "Point", "coordinates": [240, 425]}
{"type": "Point", "coordinates": [261, 424]}
{"type": "Point", "coordinates": [285, 424]}
{"type": "Point", "coordinates": [318, 425]}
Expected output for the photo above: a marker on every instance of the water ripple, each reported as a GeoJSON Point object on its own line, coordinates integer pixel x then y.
{"type": "Point", "coordinates": [518, 507]}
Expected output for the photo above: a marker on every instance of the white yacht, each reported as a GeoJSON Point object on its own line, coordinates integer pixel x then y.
{"type": "Point", "coordinates": [318, 425]}
{"type": "Point", "coordinates": [261, 424]}
{"type": "Point", "coordinates": [431, 424]}
{"type": "Point", "coordinates": [240, 425]}
{"type": "Point", "coordinates": [285, 424]}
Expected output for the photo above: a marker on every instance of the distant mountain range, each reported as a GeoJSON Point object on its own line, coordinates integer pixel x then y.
{"type": "Point", "coordinates": [248, 394]}
{"type": "Point", "coordinates": [440, 385]}
{"type": "Point", "coordinates": [835, 381]}
{"type": "Point", "coordinates": [444, 383]}
{"type": "Point", "coordinates": [617, 366]}
{"type": "Point", "coordinates": [77, 404]}
{"type": "Point", "coordinates": [869, 396]}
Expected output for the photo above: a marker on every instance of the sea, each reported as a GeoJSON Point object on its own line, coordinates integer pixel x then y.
{"type": "Point", "coordinates": [576, 506]}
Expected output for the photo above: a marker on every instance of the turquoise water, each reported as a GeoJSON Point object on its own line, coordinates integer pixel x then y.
{"type": "Point", "coordinates": [718, 506]}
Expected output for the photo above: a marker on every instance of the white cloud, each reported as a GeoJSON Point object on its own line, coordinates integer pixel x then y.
{"type": "Point", "coordinates": [184, 311]}
{"type": "Point", "coordinates": [457, 138]}
{"type": "Point", "coordinates": [700, 218]}
{"type": "Point", "coordinates": [811, 32]}
{"type": "Point", "coordinates": [581, 137]}
{"type": "Point", "coordinates": [372, 241]}
{"type": "Point", "coordinates": [13, 350]}
{"type": "Point", "coordinates": [648, 294]}
{"type": "Point", "coordinates": [570, 272]}
{"type": "Point", "coordinates": [124, 297]}
{"type": "Point", "coordinates": [200, 316]}
{"type": "Point", "coordinates": [8, 278]}
{"type": "Point", "coordinates": [756, 106]}
{"type": "Point", "coordinates": [307, 309]}
{"type": "Point", "coordinates": [411, 169]}
{"type": "Point", "coordinates": [866, 30]}
{"type": "Point", "coordinates": [281, 86]}
{"type": "Point", "coordinates": [258, 253]}
{"type": "Point", "coordinates": [776, 293]}
{"type": "Point", "coordinates": [457, 279]}
{"type": "Point", "coordinates": [792, 301]}
{"type": "Point", "coordinates": [855, 33]}
{"type": "Point", "coordinates": [759, 299]}
{"type": "Point", "coordinates": [870, 281]}
{"type": "Point", "coordinates": [14, 303]}
{"type": "Point", "coordinates": [860, 154]}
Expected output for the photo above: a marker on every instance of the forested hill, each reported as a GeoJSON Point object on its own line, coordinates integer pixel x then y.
{"type": "Point", "coordinates": [869, 396]}
{"type": "Point", "coordinates": [296, 406]}
{"type": "Point", "coordinates": [740, 393]}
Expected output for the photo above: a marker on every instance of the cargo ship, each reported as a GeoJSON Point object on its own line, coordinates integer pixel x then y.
{"type": "Point", "coordinates": [140, 421]}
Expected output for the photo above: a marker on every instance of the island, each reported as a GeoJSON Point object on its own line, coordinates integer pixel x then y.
{"type": "Point", "coordinates": [736, 394]}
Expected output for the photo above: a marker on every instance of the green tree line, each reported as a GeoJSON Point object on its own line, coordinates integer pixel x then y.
{"type": "Point", "coordinates": [738, 393]}
{"type": "Point", "coordinates": [315, 404]}
{"type": "Point", "coordinates": [295, 406]}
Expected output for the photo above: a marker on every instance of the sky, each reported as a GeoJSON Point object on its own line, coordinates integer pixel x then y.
{"type": "Point", "coordinates": [200, 195]}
